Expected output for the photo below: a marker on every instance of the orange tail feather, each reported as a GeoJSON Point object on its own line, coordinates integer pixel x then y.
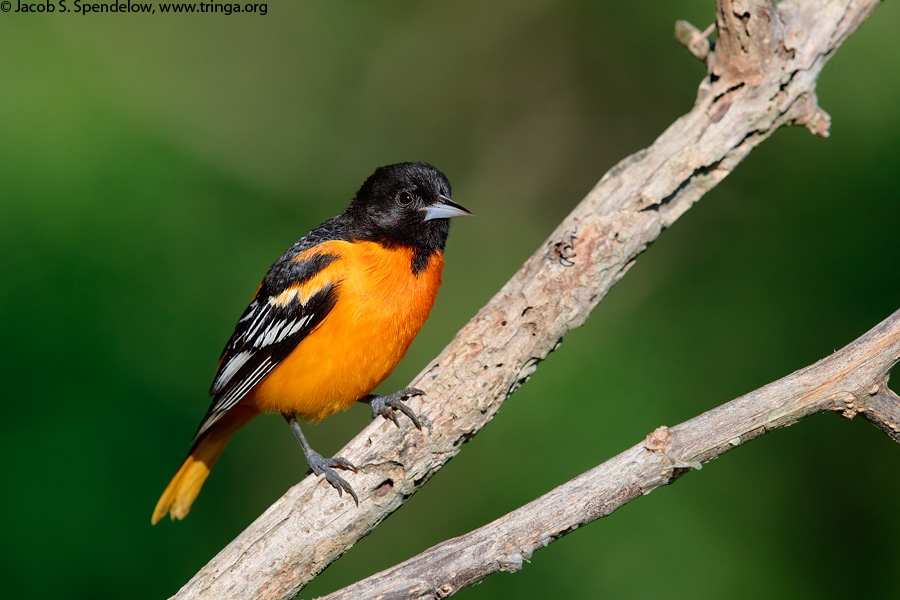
{"type": "Point", "coordinates": [186, 484]}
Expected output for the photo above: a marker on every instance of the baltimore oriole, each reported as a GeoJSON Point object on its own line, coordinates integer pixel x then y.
{"type": "Point", "coordinates": [329, 322]}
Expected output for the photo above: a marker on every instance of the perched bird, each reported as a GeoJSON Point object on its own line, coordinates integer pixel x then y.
{"type": "Point", "coordinates": [329, 322]}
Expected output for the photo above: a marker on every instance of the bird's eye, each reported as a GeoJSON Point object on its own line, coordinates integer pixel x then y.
{"type": "Point", "coordinates": [404, 198]}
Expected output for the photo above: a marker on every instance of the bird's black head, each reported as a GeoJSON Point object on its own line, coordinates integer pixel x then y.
{"type": "Point", "coordinates": [405, 204]}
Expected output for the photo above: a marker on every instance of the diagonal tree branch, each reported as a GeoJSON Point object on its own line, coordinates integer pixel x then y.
{"type": "Point", "coordinates": [852, 380]}
{"type": "Point", "coordinates": [763, 79]}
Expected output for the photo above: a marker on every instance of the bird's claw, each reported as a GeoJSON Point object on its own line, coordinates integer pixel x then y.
{"type": "Point", "coordinates": [326, 466]}
{"type": "Point", "coordinates": [388, 406]}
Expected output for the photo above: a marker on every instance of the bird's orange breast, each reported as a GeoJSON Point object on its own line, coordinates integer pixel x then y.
{"type": "Point", "coordinates": [381, 305]}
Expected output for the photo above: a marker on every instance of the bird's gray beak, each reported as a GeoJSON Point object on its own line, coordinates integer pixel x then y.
{"type": "Point", "coordinates": [445, 208]}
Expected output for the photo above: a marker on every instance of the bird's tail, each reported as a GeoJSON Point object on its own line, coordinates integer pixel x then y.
{"type": "Point", "coordinates": [186, 484]}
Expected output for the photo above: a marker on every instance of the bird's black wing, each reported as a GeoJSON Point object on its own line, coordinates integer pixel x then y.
{"type": "Point", "coordinates": [283, 312]}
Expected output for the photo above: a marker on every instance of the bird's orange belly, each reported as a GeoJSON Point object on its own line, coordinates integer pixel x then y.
{"type": "Point", "coordinates": [380, 308]}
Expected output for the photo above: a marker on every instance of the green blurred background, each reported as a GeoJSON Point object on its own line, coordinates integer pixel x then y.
{"type": "Point", "coordinates": [152, 167]}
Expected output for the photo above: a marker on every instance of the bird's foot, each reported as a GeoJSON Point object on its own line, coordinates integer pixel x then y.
{"type": "Point", "coordinates": [327, 466]}
{"type": "Point", "coordinates": [389, 406]}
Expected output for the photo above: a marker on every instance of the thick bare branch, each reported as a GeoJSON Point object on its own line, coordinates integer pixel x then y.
{"type": "Point", "coordinates": [553, 292]}
{"type": "Point", "coordinates": [847, 381]}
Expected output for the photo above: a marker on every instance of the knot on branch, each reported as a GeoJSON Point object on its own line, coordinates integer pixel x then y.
{"type": "Point", "coordinates": [749, 33]}
{"type": "Point", "coordinates": [661, 441]}
{"type": "Point", "coordinates": [564, 249]}
{"type": "Point", "coordinates": [516, 559]}
{"type": "Point", "coordinates": [811, 115]}
{"type": "Point", "coordinates": [764, 49]}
